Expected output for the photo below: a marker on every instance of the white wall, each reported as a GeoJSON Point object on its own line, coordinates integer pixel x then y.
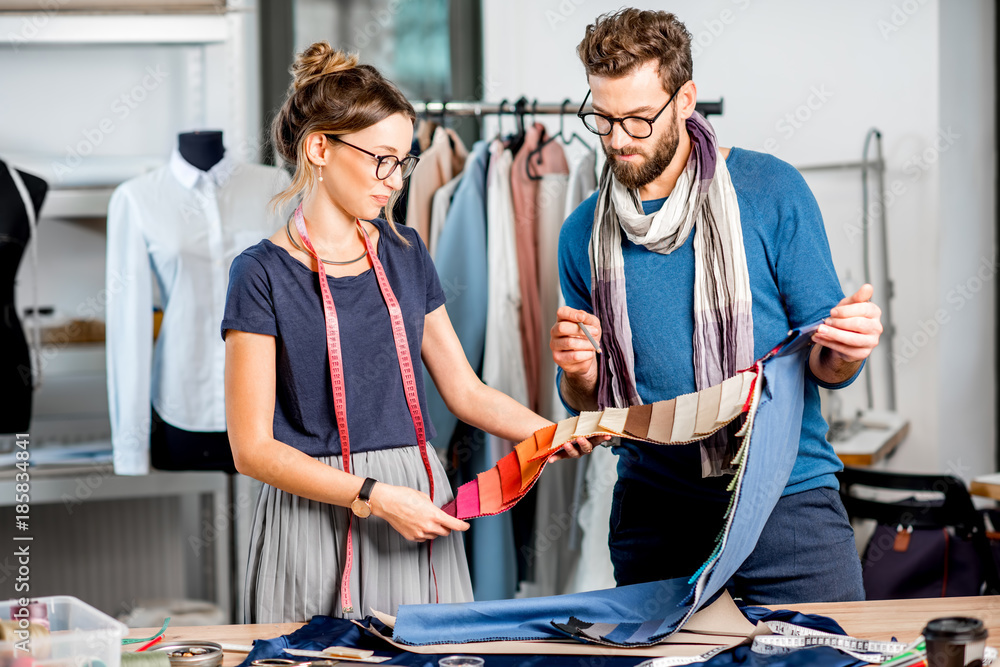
{"type": "Point", "coordinates": [805, 81]}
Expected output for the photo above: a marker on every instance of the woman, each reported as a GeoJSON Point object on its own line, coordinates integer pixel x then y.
{"type": "Point", "coordinates": [347, 130]}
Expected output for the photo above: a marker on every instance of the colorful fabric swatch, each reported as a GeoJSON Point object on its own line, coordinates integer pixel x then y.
{"type": "Point", "coordinates": [680, 420]}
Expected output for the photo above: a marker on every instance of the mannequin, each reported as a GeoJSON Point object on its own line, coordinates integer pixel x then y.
{"type": "Point", "coordinates": [178, 228]}
{"type": "Point", "coordinates": [202, 149]}
{"type": "Point", "coordinates": [172, 448]}
{"type": "Point", "coordinates": [15, 233]}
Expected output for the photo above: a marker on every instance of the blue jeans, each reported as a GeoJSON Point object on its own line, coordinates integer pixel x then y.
{"type": "Point", "coordinates": [805, 553]}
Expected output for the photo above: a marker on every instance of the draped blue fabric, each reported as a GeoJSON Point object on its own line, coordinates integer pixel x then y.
{"type": "Point", "coordinates": [323, 631]}
{"type": "Point", "coordinates": [646, 613]}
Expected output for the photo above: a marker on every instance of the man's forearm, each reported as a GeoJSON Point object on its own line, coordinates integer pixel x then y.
{"type": "Point", "coordinates": [579, 393]}
{"type": "Point", "coordinates": [830, 367]}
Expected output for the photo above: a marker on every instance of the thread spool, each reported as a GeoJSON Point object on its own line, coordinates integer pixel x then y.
{"type": "Point", "coordinates": [145, 659]}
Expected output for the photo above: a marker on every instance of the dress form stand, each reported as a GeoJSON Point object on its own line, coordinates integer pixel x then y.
{"type": "Point", "coordinates": [204, 150]}
{"type": "Point", "coordinates": [173, 448]}
{"type": "Point", "coordinates": [21, 197]}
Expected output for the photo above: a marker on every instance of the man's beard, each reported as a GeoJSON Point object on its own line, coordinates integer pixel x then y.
{"type": "Point", "coordinates": [634, 176]}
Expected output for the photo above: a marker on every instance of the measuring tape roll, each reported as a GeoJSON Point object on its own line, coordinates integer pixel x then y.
{"type": "Point", "coordinates": [407, 374]}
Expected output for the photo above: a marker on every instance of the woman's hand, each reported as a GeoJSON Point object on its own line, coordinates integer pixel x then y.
{"type": "Point", "coordinates": [412, 513]}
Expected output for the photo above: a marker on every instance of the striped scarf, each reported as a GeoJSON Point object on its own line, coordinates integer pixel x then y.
{"type": "Point", "coordinates": [704, 201]}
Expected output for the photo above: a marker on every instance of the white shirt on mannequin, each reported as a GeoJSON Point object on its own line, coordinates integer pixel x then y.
{"type": "Point", "coordinates": [182, 227]}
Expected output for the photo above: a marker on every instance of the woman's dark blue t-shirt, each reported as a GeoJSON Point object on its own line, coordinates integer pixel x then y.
{"type": "Point", "coordinates": [272, 293]}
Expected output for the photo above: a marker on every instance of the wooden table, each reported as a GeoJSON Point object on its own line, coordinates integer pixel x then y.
{"type": "Point", "coordinates": [987, 486]}
{"type": "Point", "coordinates": [882, 432]}
{"type": "Point", "coordinates": [903, 619]}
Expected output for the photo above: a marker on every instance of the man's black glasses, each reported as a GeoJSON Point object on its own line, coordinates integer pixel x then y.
{"type": "Point", "coordinates": [636, 127]}
{"type": "Point", "coordinates": [386, 164]}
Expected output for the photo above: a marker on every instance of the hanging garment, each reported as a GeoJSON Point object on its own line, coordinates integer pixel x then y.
{"type": "Point", "coordinates": [582, 181]}
{"type": "Point", "coordinates": [181, 227]}
{"type": "Point", "coordinates": [462, 267]}
{"type": "Point", "coordinates": [524, 191]}
{"type": "Point", "coordinates": [20, 374]}
{"type": "Point", "coordinates": [552, 556]}
{"type": "Point", "coordinates": [503, 344]}
{"type": "Point", "coordinates": [640, 614]}
{"type": "Point", "coordinates": [494, 574]}
{"type": "Point", "coordinates": [440, 204]}
{"type": "Point", "coordinates": [439, 163]}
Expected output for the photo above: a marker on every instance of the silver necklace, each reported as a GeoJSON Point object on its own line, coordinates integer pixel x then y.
{"type": "Point", "coordinates": [288, 232]}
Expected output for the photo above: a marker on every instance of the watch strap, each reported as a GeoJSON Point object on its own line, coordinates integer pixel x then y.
{"type": "Point", "coordinates": [366, 489]}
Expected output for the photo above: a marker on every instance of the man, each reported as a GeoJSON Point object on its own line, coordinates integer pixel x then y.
{"type": "Point", "coordinates": [690, 262]}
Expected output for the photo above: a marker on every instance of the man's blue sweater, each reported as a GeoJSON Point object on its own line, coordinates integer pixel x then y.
{"type": "Point", "coordinates": [793, 282]}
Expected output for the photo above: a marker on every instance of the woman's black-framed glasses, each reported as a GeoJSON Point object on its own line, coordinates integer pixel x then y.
{"type": "Point", "coordinates": [385, 164]}
{"type": "Point", "coordinates": [636, 127]}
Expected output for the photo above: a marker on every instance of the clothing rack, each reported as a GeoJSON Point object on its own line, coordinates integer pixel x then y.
{"type": "Point", "coordinates": [524, 106]}
{"type": "Point", "coordinates": [876, 165]}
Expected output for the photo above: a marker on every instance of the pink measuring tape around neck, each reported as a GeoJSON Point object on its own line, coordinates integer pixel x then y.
{"type": "Point", "coordinates": [340, 395]}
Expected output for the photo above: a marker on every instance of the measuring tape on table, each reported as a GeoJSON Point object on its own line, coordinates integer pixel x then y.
{"type": "Point", "coordinates": [788, 637]}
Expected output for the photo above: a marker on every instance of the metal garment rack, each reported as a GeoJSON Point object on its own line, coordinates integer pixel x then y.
{"type": "Point", "coordinates": [878, 166]}
{"type": "Point", "coordinates": [523, 106]}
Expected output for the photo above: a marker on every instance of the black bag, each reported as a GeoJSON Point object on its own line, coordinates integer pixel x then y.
{"type": "Point", "coordinates": [905, 562]}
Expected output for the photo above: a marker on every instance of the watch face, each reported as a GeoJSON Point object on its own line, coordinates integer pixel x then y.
{"type": "Point", "coordinates": [361, 508]}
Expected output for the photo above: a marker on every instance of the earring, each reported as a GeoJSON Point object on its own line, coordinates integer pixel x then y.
{"type": "Point", "coordinates": [319, 172]}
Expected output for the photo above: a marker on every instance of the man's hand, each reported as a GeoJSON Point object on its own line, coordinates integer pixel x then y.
{"type": "Point", "coordinates": [847, 337]}
{"type": "Point", "coordinates": [570, 348]}
{"type": "Point", "coordinates": [574, 354]}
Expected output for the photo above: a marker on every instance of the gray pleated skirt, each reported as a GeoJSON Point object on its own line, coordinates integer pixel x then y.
{"type": "Point", "coordinates": [297, 550]}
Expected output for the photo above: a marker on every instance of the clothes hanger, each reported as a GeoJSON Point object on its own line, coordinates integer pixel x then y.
{"type": "Point", "coordinates": [537, 153]}
{"type": "Point", "coordinates": [520, 108]}
{"type": "Point", "coordinates": [500, 113]}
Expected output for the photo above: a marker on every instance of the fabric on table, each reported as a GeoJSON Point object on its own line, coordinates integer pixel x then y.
{"type": "Point", "coordinates": [764, 461]}
{"type": "Point", "coordinates": [297, 550]}
{"type": "Point", "coordinates": [323, 631]}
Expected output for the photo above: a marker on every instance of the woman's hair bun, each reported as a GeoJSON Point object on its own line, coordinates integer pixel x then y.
{"type": "Point", "coordinates": [319, 60]}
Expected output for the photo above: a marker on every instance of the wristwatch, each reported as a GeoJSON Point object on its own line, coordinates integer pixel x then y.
{"type": "Point", "coordinates": [362, 506]}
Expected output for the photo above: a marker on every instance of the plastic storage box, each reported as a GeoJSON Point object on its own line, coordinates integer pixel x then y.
{"type": "Point", "coordinates": [79, 635]}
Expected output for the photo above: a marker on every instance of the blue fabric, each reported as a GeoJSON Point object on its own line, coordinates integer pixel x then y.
{"type": "Point", "coordinates": [272, 293]}
{"type": "Point", "coordinates": [768, 459]}
{"type": "Point", "coordinates": [793, 282]}
{"type": "Point", "coordinates": [323, 631]}
{"type": "Point", "coordinates": [461, 265]}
